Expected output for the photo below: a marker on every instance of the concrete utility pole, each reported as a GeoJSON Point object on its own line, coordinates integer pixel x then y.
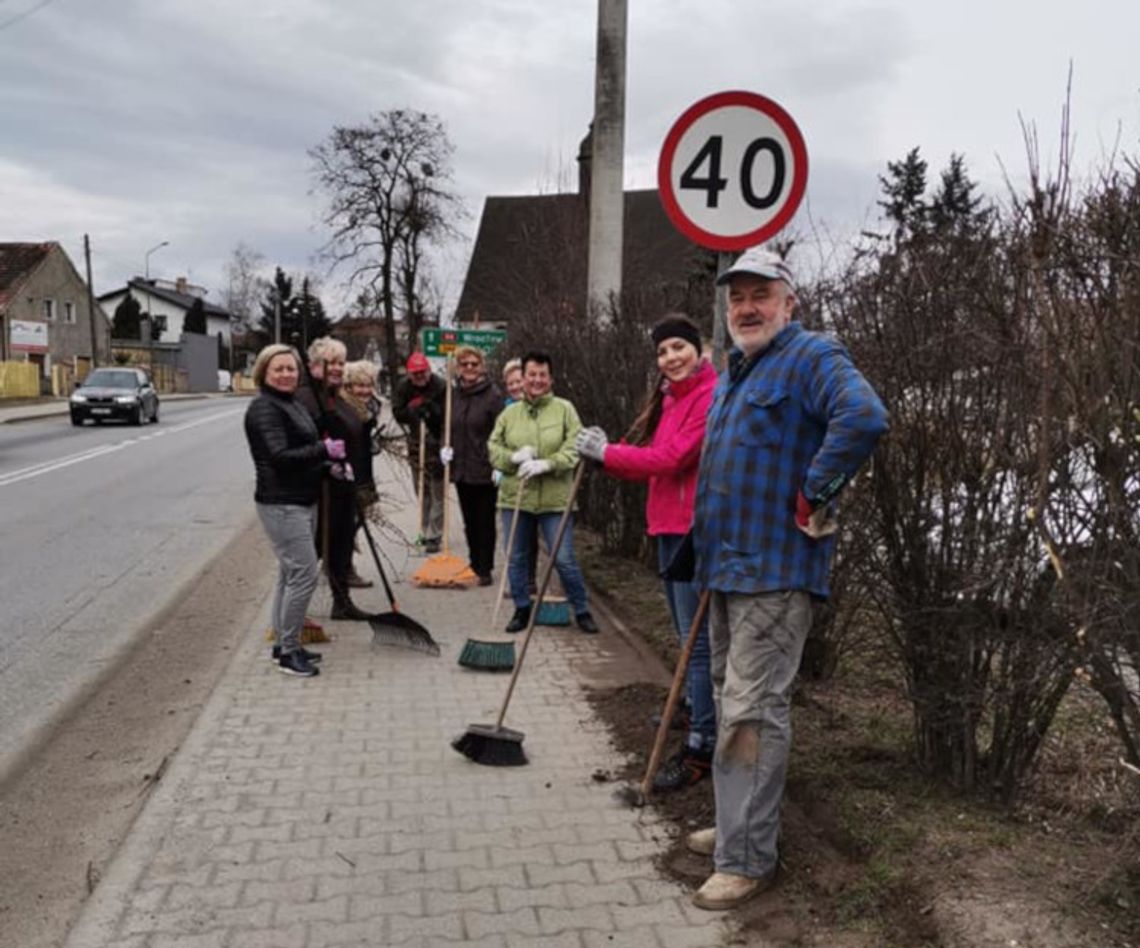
{"type": "Point", "coordinates": [607, 199]}
{"type": "Point", "coordinates": [91, 305]}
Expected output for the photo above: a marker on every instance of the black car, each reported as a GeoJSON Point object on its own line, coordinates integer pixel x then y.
{"type": "Point", "coordinates": [115, 393]}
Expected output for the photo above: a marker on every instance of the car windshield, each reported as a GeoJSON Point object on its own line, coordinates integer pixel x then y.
{"type": "Point", "coordinates": [112, 379]}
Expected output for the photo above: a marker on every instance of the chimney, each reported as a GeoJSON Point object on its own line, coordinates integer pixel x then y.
{"type": "Point", "coordinates": [585, 157]}
{"type": "Point", "coordinates": [180, 285]}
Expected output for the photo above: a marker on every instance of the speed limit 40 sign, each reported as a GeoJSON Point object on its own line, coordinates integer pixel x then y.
{"type": "Point", "coordinates": [732, 171]}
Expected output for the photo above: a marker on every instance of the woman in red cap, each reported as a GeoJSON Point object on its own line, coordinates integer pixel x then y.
{"type": "Point", "coordinates": [418, 403]}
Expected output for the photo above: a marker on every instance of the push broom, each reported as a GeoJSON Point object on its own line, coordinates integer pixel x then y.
{"type": "Point", "coordinates": [496, 654]}
{"type": "Point", "coordinates": [445, 570]}
{"type": "Point", "coordinates": [492, 744]}
{"type": "Point", "coordinates": [395, 628]}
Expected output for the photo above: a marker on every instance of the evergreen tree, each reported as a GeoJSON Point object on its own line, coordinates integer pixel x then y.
{"type": "Point", "coordinates": [302, 316]}
{"type": "Point", "coordinates": [195, 320]}
{"type": "Point", "coordinates": [125, 323]}
{"type": "Point", "coordinates": [903, 190]}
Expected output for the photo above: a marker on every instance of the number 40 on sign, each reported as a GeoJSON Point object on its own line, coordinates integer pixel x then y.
{"type": "Point", "coordinates": [732, 170]}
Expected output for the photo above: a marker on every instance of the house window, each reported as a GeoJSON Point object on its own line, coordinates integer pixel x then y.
{"type": "Point", "coordinates": [49, 309]}
{"type": "Point", "coordinates": [68, 311]}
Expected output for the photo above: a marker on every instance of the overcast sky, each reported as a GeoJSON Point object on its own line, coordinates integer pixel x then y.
{"type": "Point", "coordinates": [139, 121]}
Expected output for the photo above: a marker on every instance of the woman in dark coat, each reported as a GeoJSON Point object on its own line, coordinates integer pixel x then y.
{"type": "Point", "coordinates": [289, 458]}
{"type": "Point", "coordinates": [476, 404]}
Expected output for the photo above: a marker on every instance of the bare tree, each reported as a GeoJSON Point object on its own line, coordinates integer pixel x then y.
{"type": "Point", "coordinates": [245, 285]}
{"type": "Point", "coordinates": [387, 187]}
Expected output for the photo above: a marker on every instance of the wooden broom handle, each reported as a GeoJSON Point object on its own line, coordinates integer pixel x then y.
{"type": "Point", "coordinates": [447, 467]}
{"type": "Point", "coordinates": [674, 696]}
{"type": "Point", "coordinates": [546, 573]}
{"type": "Point", "coordinates": [507, 564]}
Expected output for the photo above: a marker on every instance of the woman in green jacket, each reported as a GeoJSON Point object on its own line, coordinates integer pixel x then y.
{"type": "Point", "coordinates": [533, 445]}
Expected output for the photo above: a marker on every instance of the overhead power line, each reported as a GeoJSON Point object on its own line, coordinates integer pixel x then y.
{"type": "Point", "coordinates": [13, 20]}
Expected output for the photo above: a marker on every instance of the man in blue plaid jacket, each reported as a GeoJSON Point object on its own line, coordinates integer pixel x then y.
{"type": "Point", "coordinates": [791, 422]}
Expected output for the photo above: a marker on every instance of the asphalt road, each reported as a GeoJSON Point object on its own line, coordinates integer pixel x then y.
{"type": "Point", "coordinates": [100, 528]}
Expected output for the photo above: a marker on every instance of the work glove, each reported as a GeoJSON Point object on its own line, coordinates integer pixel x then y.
{"type": "Point", "coordinates": [446, 455]}
{"type": "Point", "coordinates": [415, 403]}
{"type": "Point", "coordinates": [334, 448]}
{"type": "Point", "coordinates": [496, 477]}
{"type": "Point", "coordinates": [813, 521]}
{"type": "Point", "coordinates": [533, 468]}
{"type": "Point", "coordinates": [525, 453]}
{"type": "Point", "coordinates": [591, 443]}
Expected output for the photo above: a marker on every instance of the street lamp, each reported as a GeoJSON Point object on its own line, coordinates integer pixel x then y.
{"type": "Point", "coordinates": [149, 308]}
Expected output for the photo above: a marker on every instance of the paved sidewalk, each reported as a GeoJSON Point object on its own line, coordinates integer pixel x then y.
{"type": "Point", "coordinates": [333, 811]}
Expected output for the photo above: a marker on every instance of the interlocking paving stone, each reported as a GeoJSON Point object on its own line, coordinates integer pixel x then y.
{"type": "Point", "coordinates": [332, 812]}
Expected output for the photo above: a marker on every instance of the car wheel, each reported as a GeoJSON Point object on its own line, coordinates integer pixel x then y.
{"type": "Point", "coordinates": [137, 415]}
{"type": "Point", "coordinates": [154, 414]}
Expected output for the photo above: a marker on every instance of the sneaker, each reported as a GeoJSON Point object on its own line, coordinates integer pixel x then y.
{"type": "Point", "coordinates": [586, 623]}
{"type": "Point", "coordinates": [519, 620]}
{"type": "Point", "coordinates": [313, 658]}
{"type": "Point", "coordinates": [684, 769]}
{"type": "Point", "coordinates": [295, 663]}
{"type": "Point", "coordinates": [485, 579]}
{"type": "Point", "coordinates": [702, 842]}
{"type": "Point", "coordinates": [727, 890]}
{"type": "Point", "coordinates": [356, 581]}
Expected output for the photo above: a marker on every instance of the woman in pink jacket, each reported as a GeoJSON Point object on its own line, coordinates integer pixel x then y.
{"type": "Point", "coordinates": [663, 447]}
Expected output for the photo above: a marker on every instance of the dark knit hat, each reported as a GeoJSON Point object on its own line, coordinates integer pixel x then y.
{"type": "Point", "coordinates": [677, 327]}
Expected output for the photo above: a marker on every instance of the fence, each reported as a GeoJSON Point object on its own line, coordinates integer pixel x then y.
{"type": "Point", "coordinates": [19, 380]}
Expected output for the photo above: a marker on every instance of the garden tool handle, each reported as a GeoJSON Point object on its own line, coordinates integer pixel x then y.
{"type": "Point", "coordinates": [674, 696]}
{"type": "Point", "coordinates": [542, 586]}
{"type": "Point", "coordinates": [507, 560]}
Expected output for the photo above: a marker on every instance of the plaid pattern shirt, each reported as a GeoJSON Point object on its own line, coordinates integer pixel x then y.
{"type": "Point", "coordinates": [798, 416]}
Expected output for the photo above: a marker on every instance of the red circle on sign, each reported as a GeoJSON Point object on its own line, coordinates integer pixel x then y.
{"type": "Point", "coordinates": [677, 215]}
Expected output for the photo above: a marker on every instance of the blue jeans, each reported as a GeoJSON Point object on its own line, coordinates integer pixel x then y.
{"type": "Point", "coordinates": [518, 571]}
{"type": "Point", "coordinates": [683, 599]}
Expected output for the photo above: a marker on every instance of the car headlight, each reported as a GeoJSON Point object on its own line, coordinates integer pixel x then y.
{"type": "Point", "coordinates": [78, 398]}
{"type": "Point", "coordinates": [126, 399]}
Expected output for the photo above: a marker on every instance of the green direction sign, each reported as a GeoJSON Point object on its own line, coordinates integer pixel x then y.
{"type": "Point", "coordinates": [442, 342]}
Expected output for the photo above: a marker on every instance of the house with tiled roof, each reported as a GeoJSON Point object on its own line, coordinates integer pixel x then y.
{"type": "Point", "coordinates": [169, 302]}
{"type": "Point", "coordinates": [45, 314]}
{"type": "Point", "coordinates": [531, 251]}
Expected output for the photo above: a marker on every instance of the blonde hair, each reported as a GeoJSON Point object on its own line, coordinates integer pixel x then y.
{"type": "Point", "coordinates": [360, 371]}
{"type": "Point", "coordinates": [267, 355]}
{"type": "Point", "coordinates": [469, 351]}
{"type": "Point", "coordinates": [326, 348]}
{"type": "Point", "coordinates": [511, 366]}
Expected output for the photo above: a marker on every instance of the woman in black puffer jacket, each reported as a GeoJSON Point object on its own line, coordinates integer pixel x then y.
{"type": "Point", "coordinates": [289, 457]}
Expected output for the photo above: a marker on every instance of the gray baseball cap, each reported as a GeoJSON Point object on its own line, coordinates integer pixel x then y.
{"type": "Point", "coordinates": [760, 262]}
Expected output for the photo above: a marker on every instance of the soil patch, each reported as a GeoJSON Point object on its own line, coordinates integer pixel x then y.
{"type": "Point", "coordinates": [64, 815]}
{"type": "Point", "coordinates": [872, 853]}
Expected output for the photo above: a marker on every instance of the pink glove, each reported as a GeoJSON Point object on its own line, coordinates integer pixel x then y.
{"type": "Point", "coordinates": [334, 448]}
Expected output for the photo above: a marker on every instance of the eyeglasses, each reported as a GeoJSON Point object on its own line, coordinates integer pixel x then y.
{"type": "Point", "coordinates": [469, 364]}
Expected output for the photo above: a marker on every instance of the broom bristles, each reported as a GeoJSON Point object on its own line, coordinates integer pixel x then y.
{"type": "Point", "coordinates": [491, 746]}
{"type": "Point", "coordinates": [488, 656]}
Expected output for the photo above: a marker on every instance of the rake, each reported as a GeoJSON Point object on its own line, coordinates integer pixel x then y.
{"type": "Point", "coordinates": [394, 628]}
{"type": "Point", "coordinates": [492, 744]}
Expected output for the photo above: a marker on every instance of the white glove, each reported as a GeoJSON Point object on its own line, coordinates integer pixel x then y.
{"type": "Point", "coordinates": [523, 454]}
{"type": "Point", "coordinates": [446, 455]}
{"type": "Point", "coordinates": [591, 443]}
{"type": "Point", "coordinates": [496, 477]}
{"type": "Point", "coordinates": [533, 468]}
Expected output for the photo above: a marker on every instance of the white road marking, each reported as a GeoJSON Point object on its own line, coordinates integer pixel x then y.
{"type": "Point", "coordinates": [46, 467]}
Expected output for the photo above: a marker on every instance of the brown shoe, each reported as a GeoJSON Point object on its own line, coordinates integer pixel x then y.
{"type": "Point", "coordinates": [727, 890]}
{"type": "Point", "coordinates": [702, 842]}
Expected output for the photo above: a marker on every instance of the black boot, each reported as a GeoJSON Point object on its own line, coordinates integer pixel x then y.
{"type": "Point", "coordinates": [347, 609]}
{"type": "Point", "coordinates": [519, 620]}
